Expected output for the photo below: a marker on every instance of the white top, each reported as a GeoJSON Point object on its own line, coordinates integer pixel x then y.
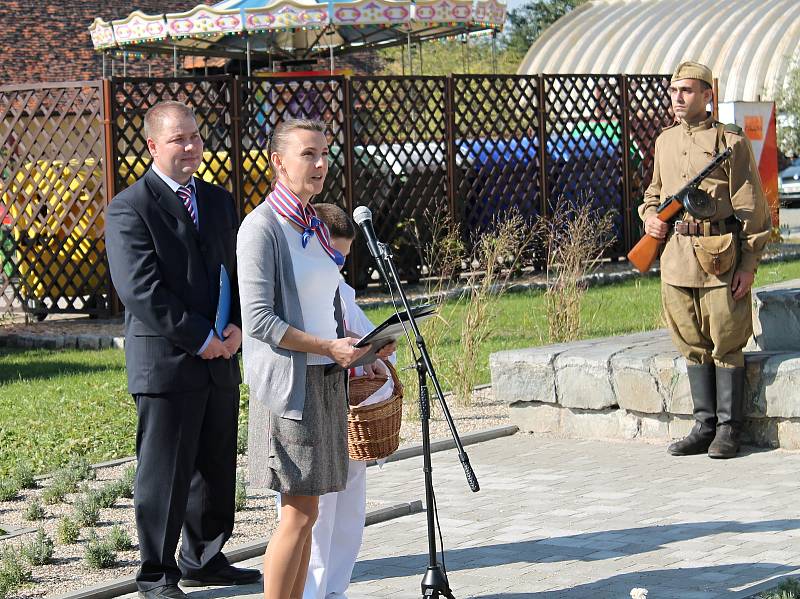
{"type": "Point", "coordinates": [354, 318]}
{"type": "Point", "coordinates": [317, 277]}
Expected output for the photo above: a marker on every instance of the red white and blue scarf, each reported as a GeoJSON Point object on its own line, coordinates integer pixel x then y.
{"type": "Point", "coordinates": [289, 206]}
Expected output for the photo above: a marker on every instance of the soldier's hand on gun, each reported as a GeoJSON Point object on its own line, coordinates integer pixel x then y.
{"type": "Point", "coordinates": [215, 349]}
{"type": "Point", "coordinates": [232, 336]}
{"type": "Point", "coordinates": [344, 352]}
{"type": "Point", "coordinates": [655, 227]}
{"type": "Point", "coordinates": [741, 283]}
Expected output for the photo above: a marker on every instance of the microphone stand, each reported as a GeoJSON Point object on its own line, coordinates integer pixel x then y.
{"type": "Point", "coordinates": [434, 582]}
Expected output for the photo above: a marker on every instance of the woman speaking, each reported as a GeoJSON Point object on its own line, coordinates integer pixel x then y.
{"type": "Point", "coordinates": [293, 332]}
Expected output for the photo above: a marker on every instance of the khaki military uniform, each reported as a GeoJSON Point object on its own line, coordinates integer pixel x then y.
{"type": "Point", "coordinates": [707, 325]}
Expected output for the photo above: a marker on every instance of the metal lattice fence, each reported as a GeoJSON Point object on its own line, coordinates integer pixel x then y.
{"type": "Point", "coordinates": [648, 112]}
{"type": "Point", "coordinates": [583, 150]}
{"type": "Point", "coordinates": [211, 99]}
{"type": "Point", "coordinates": [497, 140]}
{"type": "Point", "coordinates": [410, 148]}
{"type": "Point", "coordinates": [52, 251]}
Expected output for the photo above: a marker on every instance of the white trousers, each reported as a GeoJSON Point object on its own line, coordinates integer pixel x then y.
{"type": "Point", "coordinates": [336, 537]}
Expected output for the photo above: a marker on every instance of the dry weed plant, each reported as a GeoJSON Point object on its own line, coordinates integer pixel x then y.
{"type": "Point", "coordinates": [498, 252]}
{"type": "Point", "coordinates": [442, 254]}
{"type": "Point", "coordinates": [576, 235]}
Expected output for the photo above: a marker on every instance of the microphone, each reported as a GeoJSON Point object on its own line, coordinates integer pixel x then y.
{"type": "Point", "coordinates": [363, 217]}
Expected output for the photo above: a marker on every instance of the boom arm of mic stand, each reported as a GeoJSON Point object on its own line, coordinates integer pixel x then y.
{"type": "Point", "coordinates": [386, 258]}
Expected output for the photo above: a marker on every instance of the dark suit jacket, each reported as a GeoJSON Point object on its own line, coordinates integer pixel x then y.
{"type": "Point", "coordinates": [166, 273]}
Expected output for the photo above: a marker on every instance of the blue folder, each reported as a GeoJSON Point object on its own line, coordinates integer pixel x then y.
{"type": "Point", "coordinates": [223, 303]}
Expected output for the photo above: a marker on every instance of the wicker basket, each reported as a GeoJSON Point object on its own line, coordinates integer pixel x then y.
{"type": "Point", "coordinates": [373, 432]}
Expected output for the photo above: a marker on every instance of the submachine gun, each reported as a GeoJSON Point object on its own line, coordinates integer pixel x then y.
{"type": "Point", "coordinates": [690, 198]}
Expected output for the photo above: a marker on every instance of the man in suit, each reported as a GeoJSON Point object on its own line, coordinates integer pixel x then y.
{"type": "Point", "coordinates": [167, 237]}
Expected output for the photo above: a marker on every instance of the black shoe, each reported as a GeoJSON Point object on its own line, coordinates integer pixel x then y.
{"type": "Point", "coordinates": [225, 576]}
{"type": "Point", "coordinates": [168, 591]}
{"type": "Point", "coordinates": [725, 444]}
{"type": "Point", "coordinates": [695, 443]}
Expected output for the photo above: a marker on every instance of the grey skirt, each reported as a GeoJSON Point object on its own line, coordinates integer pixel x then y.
{"type": "Point", "coordinates": [309, 456]}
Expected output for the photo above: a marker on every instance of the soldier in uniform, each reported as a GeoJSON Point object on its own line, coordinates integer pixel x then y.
{"type": "Point", "coordinates": [708, 266]}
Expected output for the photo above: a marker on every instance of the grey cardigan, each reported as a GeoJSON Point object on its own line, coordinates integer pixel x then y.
{"type": "Point", "coordinates": [268, 294]}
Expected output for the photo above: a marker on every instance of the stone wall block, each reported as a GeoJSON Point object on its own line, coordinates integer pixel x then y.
{"type": "Point", "coordinates": [524, 375]}
{"type": "Point", "coordinates": [605, 424]}
{"type": "Point", "coordinates": [680, 426]}
{"type": "Point", "coordinates": [789, 434]}
{"type": "Point", "coordinates": [780, 378]}
{"type": "Point", "coordinates": [536, 417]}
{"type": "Point", "coordinates": [654, 426]}
{"type": "Point", "coordinates": [776, 317]}
{"type": "Point", "coordinates": [635, 381]}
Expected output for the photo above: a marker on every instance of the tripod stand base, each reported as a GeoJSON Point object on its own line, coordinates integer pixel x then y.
{"type": "Point", "coordinates": [434, 584]}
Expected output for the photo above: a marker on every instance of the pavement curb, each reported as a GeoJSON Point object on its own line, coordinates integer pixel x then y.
{"type": "Point", "coordinates": [126, 585]}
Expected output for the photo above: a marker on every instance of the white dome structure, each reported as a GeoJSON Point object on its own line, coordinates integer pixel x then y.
{"type": "Point", "coordinates": [748, 44]}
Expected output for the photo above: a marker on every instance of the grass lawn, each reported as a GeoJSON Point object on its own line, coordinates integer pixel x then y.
{"type": "Point", "coordinates": [57, 403]}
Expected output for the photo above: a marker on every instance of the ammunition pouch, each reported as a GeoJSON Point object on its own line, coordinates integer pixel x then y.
{"type": "Point", "coordinates": [715, 253]}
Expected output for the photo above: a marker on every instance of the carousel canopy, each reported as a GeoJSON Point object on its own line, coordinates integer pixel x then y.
{"type": "Point", "coordinates": [295, 28]}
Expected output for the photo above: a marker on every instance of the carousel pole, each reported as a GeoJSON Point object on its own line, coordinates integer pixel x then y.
{"type": "Point", "coordinates": [466, 44]}
{"type": "Point", "coordinates": [104, 64]}
{"type": "Point", "coordinates": [124, 64]}
{"type": "Point", "coordinates": [174, 60]}
{"type": "Point", "coordinates": [494, 51]}
{"type": "Point", "coordinates": [410, 59]}
{"type": "Point", "coordinates": [330, 46]}
{"type": "Point", "coordinates": [421, 65]}
{"type": "Point", "coordinates": [247, 46]}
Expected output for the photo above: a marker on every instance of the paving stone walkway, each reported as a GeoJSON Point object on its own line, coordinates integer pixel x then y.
{"type": "Point", "coordinates": [565, 519]}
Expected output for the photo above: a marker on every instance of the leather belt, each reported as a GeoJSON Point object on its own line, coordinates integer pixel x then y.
{"type": "Point", "coordinates": [706, 228]}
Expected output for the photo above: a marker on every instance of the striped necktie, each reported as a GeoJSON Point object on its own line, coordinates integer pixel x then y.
{"type": "Point", "coordinates": [185, 194]}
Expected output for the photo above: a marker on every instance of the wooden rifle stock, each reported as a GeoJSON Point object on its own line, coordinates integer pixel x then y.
{"type": "Point", "coordinates": [644, 253]}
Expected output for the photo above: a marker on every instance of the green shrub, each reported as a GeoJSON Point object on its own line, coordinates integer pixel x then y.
{"type": "Point", "coordinates": [125, 484]}
{"type": "Point", "coordinates": [14, 571]}
{"type": "Point", "coordinates": [87, 512]}
{"type": "Point", "coordinates": [118, 539]}
{"type": "Point", "coordinates": [39, 551]}
{"type": "Point", "coordinates": [81, 469]}
{"type": "Point", "coordinates": [241, 439]}
{"type": "Point", "coordinates": [68, 531]}
{"type": "Point", "coordinates": [99, 554]}
{"type": "Point", "coordinates": [34, 511]}
{"type": "Point", "coordinates": [54, 494]}
{"type": "Point", "coordinates": [9, 490]}
{"type": "Point", "coordinates": [23, 475]}
{"type": "Point", "coordinates": [64, 480]}
{"type": "Point", "coordinates": [241, 492]}
{"type": "Point", "coordinates": [107, 495]}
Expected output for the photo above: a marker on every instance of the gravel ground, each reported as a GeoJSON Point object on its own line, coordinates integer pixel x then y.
{"type": "Point", "coordinates": [68, 570]}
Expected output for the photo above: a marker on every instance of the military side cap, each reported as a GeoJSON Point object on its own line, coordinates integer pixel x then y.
{"type": "Point", "coordinates": [693, 70]}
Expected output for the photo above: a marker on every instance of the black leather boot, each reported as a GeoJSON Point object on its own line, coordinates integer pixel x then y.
{"type": "Point", "coordinates": [730, 397]}
{"type": "Point", "coordinates": [702, 384]}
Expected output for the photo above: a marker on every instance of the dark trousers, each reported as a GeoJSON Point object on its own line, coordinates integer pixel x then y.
{"type": "Point", "coordinates": [185, 478]}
